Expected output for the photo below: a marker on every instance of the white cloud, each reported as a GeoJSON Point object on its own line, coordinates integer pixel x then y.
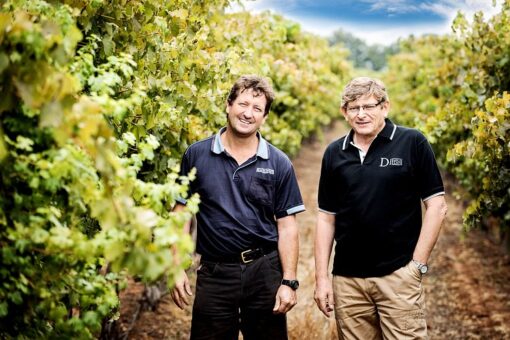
{"type": "Point", "coordinates": [380, 34]}
{"type": "Point", "coordinates": [449, 8]}
{"type": "Point", "coordinates": [388, 35]}
{"type": "Point", "coordinates": [383, 35]}
{"type": "Point", "coordinates": [392, 6]}
{"type": "Point", "coordinates": [444, 8]}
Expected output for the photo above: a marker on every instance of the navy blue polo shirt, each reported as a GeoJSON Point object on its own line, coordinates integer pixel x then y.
{"type": "Point", "coordinates": [239, 204]}
{"type": "Point", "coordinates": [377, 201]}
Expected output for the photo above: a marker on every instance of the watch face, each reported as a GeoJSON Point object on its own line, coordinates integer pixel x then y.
{"type": "Point", "coordinates": [422, 268]}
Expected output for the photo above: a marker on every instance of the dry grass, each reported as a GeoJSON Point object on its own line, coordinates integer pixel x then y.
{"type": "Point", "coordinates": [305, 320]}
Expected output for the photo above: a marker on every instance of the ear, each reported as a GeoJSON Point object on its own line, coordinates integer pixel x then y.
{"type": "Point", "coordinates": [386, 107]}
{"type": "Point", "coordinates": [343, 111]}
{"type": "Point", "coordinates": [265, 118]}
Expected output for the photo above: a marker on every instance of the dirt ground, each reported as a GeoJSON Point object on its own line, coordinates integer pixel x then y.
{"type": "Point", "coordinates": [467, 288]}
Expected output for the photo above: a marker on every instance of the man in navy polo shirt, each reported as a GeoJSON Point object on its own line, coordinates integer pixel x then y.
{"type": "Point", "coordinates": [372, 184]}
{"type": "Point", "coordinates": [246, 227]}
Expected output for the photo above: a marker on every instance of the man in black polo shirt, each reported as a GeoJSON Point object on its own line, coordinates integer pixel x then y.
{"type": "Point", "coordinates": [371, 187]}
{"type": "Point", "coordinates": [246, 228]}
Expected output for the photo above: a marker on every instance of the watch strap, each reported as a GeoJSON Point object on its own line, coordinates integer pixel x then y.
{"type": "Point", "coordinates": [294, 284]}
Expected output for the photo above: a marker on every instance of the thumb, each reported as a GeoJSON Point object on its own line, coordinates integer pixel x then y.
{"type": "Point", "coordinates": [276, 304]}
{"type": "Point", "coordinates": [331, 304]}
{"type": "Point", "coordinates": [187, 287]}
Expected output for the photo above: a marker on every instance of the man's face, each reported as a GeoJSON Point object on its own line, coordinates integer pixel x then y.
{"type": "Point", "coordinates": [246, 114]}
{"type": "Point", "coordinates": [366, 115]}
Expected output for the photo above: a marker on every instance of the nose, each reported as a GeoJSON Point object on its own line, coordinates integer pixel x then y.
{"type": "Point", "coordinates": [248, 112]}
{"type": "Point", "coordinates": [361, 110]}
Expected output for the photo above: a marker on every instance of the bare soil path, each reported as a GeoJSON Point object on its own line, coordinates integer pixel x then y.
{"type": "Point", "coordinates": [467, 290]}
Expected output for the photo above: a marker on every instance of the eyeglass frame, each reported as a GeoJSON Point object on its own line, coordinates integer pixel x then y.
{"type": "Point", "coordinates": [364, 107]}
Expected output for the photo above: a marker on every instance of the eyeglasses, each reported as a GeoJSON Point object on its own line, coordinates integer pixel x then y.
{"type": "Point", "coordinates": [366, 108]}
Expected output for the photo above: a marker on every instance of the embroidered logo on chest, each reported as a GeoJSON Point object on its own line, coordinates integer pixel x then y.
{"type": "Point", "coordinates": [390, 162]}
{"type": "Point", "coordinates": [265, 171]}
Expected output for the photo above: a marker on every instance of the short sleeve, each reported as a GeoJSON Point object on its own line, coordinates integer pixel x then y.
{"type": "Point", "coordinates": [429, 176]}
{"type": "Point", "coordinates": [288, 196]}
{"type": "Point", "coordinates": [326, 198]}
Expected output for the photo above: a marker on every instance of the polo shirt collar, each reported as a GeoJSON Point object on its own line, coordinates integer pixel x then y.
{"type": "Point", "coordinates": [387, 132]}
{"type": "Point", "coordinates": [262, 151]}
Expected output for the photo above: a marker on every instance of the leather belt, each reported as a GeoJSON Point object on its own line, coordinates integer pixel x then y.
{"type": "Point", "coordinates": [246, 256]}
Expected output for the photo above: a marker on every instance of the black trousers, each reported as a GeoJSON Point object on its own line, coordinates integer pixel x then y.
{"type": "Point", "coordinates": [233, 297]}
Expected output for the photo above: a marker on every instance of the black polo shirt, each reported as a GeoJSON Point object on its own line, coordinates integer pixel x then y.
{"type": "Point", "coordinates": [239, 204]}
{"type": "Point", "coordinates": [377, 202]}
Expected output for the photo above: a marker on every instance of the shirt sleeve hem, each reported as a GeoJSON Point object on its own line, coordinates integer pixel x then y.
{"type": "Point", "coordinates": [327, 212]}
{"type": "Point", "coordinates": [181, 200]}
{"type": "Point", "coordinates": [441, 193]}
{"type": "Point", "coordinates": [291, 211]}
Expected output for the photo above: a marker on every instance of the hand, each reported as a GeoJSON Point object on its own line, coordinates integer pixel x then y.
{"type": "Point", "coordinates": [286, 298]}
{"type": "Point", "coordinates": [324, 296]}
{"type": "Point", "coordinates": [181, 290]}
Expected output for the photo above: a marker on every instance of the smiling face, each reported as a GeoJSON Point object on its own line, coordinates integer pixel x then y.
{"type": "Point", "coordinates": [246, 113]}
{"type": "Point", "coordinates": [366, 123]}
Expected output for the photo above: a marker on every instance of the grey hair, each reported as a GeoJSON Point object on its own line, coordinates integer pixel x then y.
{"type": "Point", "coordinates": [364, 86]}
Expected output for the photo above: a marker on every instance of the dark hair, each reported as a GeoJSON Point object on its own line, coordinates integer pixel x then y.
{"type": "Point", "coordinates": [257, 84]}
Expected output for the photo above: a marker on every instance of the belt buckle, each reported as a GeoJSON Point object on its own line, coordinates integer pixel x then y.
{"type": "Point", "coordinates": [243, 254]}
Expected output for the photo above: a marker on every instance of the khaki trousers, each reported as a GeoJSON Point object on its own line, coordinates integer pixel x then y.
{"type": "Point", "coordinates": [387, 307]}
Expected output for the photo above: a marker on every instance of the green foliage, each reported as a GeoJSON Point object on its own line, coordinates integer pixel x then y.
{"type": "Point", "coordinates": [99, 101]}
{"type": "Point", "coordinates": [71, 202]}
{"type": "Point", "coordinates": [454, 88]}
{"type": "Point", "coordinates": [306, 73]}
{"type": "Point", "coordinates": [489, 146]}
{"type": "Point", "coordinates": [372, 57]}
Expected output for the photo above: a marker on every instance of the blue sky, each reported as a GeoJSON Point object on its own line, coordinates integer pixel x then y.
{"type": "Point", "coordinates": [375, 21]}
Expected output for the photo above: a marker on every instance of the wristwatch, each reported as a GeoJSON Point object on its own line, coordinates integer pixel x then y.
{"type": "Point", "coordinates": [422, 267]}
{"type": "Point", "coordinates": [294, 284]}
